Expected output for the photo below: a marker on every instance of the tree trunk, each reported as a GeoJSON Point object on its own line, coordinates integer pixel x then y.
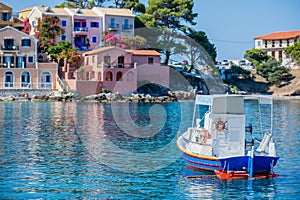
{"type": "Point", "coordinates": [168, 54]}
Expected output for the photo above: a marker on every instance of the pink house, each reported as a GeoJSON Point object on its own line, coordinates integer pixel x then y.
{"type": "Point", "coordinates": [86, 28]}
{"type": "Point", "coordinates": [118, 70]}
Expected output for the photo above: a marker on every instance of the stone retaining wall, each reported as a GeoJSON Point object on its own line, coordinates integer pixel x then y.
{"type": "Point", "coordinates": [22, 92]}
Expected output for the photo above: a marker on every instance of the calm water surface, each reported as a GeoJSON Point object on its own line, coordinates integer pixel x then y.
{"type": "Point", "coordinates": [92, 150]}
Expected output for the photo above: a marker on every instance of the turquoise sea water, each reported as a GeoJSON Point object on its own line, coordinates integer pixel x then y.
{"type": "Point", "coordinates": [91, 150]}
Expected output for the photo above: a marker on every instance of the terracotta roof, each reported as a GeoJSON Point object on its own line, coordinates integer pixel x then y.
{"type": "Point", "coordinates": [145, 52]}
{"type": "Point", "coordinates": [116, 11]}
{"type": "Point", "coordinates": [279, 35]}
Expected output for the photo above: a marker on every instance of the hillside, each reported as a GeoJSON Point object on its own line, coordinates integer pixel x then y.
{"type": "Point", "coordinates": [259, 84]}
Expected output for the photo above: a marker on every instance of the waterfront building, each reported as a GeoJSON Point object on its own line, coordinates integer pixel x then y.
{"type": "Point", "coordinates": [7, 18]}
{"type": "Point", "coordinates": [118, 70]}
{"type": "Point", "coordinates": [38, 12]}
{"type": "Point", "coordinates": [117, 21]}
{"type": "Point", "coordinates": [275, 43]}
{"type": "Point", "coordinates": [86, 28]}
{"type": "Point", "coordinates": [19, 64]}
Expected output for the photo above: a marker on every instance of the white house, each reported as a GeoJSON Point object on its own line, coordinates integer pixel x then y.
{"type": "Point", "coordinates": [275, 43]}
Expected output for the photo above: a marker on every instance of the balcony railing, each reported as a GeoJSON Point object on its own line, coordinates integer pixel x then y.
{"type": "Point", "coordinates": [113, 27]}
{"type": "Point", "coordinates": [119, 65]}
{"type": "Point", "coordinates": [12, 47]}
{"type": "Point", "coordinates": [13, 65]}
{"type": "Point", "coordinates": [26, 85]}
{"type": "Point", "coordinates": [81, 29]}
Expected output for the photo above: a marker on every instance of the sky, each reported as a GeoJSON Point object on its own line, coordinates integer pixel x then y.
{"type": "Point", "coordinates": [229, 24]}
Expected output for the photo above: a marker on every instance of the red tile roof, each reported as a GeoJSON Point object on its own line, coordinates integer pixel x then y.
{"type": "Point", "coordinates": [144, 52]}
{"type": "Point", "coordinates": [279, 35]}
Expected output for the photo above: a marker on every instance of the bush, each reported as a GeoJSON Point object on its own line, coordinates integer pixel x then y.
{"type": "Point", "coordinates": [105, 90]}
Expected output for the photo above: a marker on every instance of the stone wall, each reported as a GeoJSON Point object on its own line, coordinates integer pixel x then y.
{"type": "Point", "coordinates": [22, 92]}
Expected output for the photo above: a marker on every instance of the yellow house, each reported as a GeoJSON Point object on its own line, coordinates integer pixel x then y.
{"type": "Point", "coordinates": [7, 19]}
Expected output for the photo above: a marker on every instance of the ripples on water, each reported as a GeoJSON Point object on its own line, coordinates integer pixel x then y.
{"type": "Point", "coordinates": [60, 151]}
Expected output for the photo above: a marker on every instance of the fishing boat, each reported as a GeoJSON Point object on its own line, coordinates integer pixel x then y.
{"type": "Point", "coordinates": [220, 140]}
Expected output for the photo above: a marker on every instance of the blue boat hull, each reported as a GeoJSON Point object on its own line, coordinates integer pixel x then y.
{"type": "Point", "coordinates": [261, 164]}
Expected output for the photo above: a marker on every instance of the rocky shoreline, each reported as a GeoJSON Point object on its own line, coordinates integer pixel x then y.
{"type": "Point", "coordinates": [172, 96]}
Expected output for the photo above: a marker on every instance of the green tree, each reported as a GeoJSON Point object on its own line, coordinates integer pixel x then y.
{"type": "Point", "coordinates": [256, 56]}
{"type": "Point", "coordinates": [46, 31]}
{"type": "Point", "coordinates": [136, 5]}
{"type": "Point", "coordinates": [170, 16]}
{"type": "Point", "coordinates": [63, 50]}
{"type": "Point", "coordinates": [273, 71]}
{"type": "Point", "coordinates": [81, 3]}
{"type": "Point", "coordinates": [267, 66]}
{"type": "Point", "coordinates": [201, 38]}
{"type": "Point", "coordinates": [294, 51]}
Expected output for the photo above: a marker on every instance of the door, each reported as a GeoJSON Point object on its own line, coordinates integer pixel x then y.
{"type": "Point", "coordinates": [25, 78]}
{"type": "Point", "coordinates": [106, 61]}
{"type": "Point", "coordinates": [9, 79]}
{"type": "Point", "coordinates": [46, 80]}
{"type": "Point", "coordinates": [121, 61]}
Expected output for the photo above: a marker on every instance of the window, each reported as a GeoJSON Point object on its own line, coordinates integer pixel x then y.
{"type": "Point", "coordinates": [32, 23]}
{"type": "Point", "coordinates": [126, 24]}
{"type": "Point", "coordinates": [5, 16]}
{"type": "Point", "coordinates": [273, 43]}
{"type": "Point", "coordinates": [93, 59]}
{"type": "Point", "coordinates": [83, 24]}
{"type": "Point", "coordinates": [287, 42]}
{"type": "Point", "coordinates": [119, 76]}
{"type": "Point", "coordinates": [94, 39]}
{"type": "Point", "coordinates": [30, 59]}
{"type": "Point", "coordinates": [63, 37]}
{"type": "Point", "coordinates": [87, 60]}
{"type": "Point", "coordinates": [112, 23]}
{"type": "Point", "coordinates": [107, 61]}
{"type": "Point", "coordinates": [150, 61]}
{"type": "Point", "coordinates": [9, 43]}
{"type": "Point", "coordinates": [76, 24]}
{"type": "Point", "coordinates": [273, 53]}
{"type": "Point", "coordinates": [258, 43]}
{"type": "Point", "coordinates": [94, 24]}
{"type": "Point", "coordinates": [280, 54]}
{"type": "Point", "coordinates": [266, 44]}
{"type": "Point", "coordinates": [109, 76]}
{"type": "Point", "coordinates": [26, 42]}
{"type": "Point", "coordinates": [280, 43]}
{"type": "Point", "coordinates": [63, 22]}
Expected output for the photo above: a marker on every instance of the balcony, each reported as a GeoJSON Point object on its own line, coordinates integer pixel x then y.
{"type": "Point", "coordinates": [118, 65]}
{"type": "Point", "coordinates": [81, 29]}
{"type": "Point", "coordinates": [113, 27]}
{"type": "Point", "coordinates": [9, 47]}
{"type": "Point", "coordinates": [127, 27]}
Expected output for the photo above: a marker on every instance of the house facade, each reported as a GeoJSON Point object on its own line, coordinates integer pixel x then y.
{"type": "Point", "coordinates": [86, 28]}
{"type": "Point", "coordinates": [275, 43]}
{"type": "Point", "coordinates": [38, 12]}
{"type": "Point", "coordinates": [118, 70]}
{"type": "Point", "coordinates": [117, 21]}
{"type": "Point", "coordinates": [7, 19]}
{"type": "Point", "coordinates": [19, 66]}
